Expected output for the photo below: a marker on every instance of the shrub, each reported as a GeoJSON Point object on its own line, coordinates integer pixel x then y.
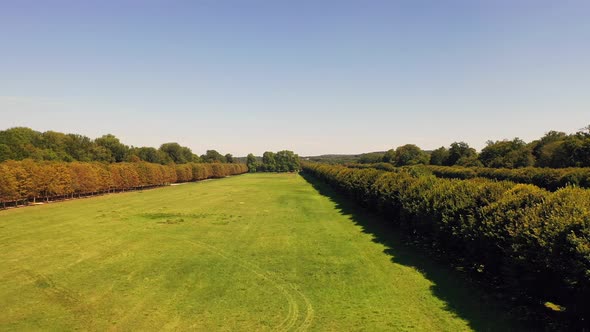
{"type": "Point", "coordinates": [533, 242]}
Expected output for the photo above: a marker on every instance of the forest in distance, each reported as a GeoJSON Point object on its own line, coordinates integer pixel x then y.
{"type": "Point", "coordinates": [555, 149]}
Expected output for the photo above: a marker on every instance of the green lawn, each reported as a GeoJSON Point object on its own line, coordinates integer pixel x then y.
{"type": "Point", "coordinates": [253, 252]}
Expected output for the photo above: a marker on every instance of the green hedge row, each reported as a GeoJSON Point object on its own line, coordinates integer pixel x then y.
{"type": "Point", "coordinates": [533, 242]}
{"type": "Point", "coordinates": [547, 178]}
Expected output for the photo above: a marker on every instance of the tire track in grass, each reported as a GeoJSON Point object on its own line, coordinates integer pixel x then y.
{"type": "Point", "coordinates": [293, 312]}
{"type": "Point", "coordinates": [289, 291]}
{"type": "Point", "coordinates": [309, 311]}
{"type": "Point", "coordinates": [60, 295]}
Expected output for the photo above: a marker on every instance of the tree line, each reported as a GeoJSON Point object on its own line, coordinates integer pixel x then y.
{"type": "Point", "coordinates": [24, 143]}
{"type": "Point", "coordinates": [282, 161]}
{"type": "Point", "coordinates": [555, 149]}
{"type": "Point", "coordinates": [530, 242]}
{"type": "Point", "coordinates": [26, 181]}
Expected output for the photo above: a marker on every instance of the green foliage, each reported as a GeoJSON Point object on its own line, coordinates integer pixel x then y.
{"type": "Point", "coordinates": [212, 156]}
{"type": "Point", "coordinates": [269, 162]}
{"type": "Point", "coordinates": [388, 157]}
{"type": "Point", "coordinates": [370, 158]}
{"type": "Point", "coordinates": [532, 241]}
{"type": "Point", "coordinates": [507, 154]}
{"type": "Point", "coordinates": [408, 154]}
{"type": "Point", "coordinates": [229, 158]}
{"type": "Point", "coordinates": [439, 156]}
{"type": "Point", "coordinates": [251, 163]}
{"type": "Point", "coordinates": [334, 158]}
{"type": "Point", "coordinates": [177, 153]}
{"type": "Point", "coordinates": [282, 161]}
{"type": "Point", "coordinates": [547, 178]}
{"type": "Point", "coordinates": [24, 143]}
{"type": "Point", "coordinates": [287, 161]}
{"type": "Point", "coordinates": [460, 153]}
{"type": "Point", "coordinates": [118, 150]}
{"type": "Point", "coordinates": [152, 155]}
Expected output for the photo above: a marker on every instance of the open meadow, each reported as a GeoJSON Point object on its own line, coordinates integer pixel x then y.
{"type": "Point", "coordinates": [253, 252]}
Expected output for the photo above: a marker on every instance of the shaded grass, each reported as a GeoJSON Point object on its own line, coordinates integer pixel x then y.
{"type": "Point", "coordinates": [254, 252]}
{"type": "Point", "coordinates": [463, 296]}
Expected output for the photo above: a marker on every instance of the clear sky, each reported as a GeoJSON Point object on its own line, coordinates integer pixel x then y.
{"type": "Point", "coordinates": [310, 76]}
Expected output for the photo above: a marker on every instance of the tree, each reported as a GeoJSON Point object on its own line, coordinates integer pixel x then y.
{"type": "Point", "coordinates": [269, 162]}
{"type": "Point", "coordinates": [212, 156]}
{"type": "Point", "coordinates": [389, 156]}
{"type": "Point", "coordinates": [100, 153]}
{"type": "Point", "coordinates": [79, 147]}
{"type": "Point", "coordinates": [118, 150]}
{"type": "Point", "coordinates": [439, 156]}
{"type": "Point", "coordinates": [544, 148]}
{"type": "Point", "coordinates": [229, 158]}
{"type": "Point", "coordinates": [251, 163]}
{"type": "Point", "coordinates": [8, 185]}
{"type": "Point", "coordinates": [149, 154]}
{"type": "Point", "coordinates": [458, 151]}
{"type": "Point", "coordinates": [22, 141]}
{"type": "Point", "coordinates": [573, 151]}
{"type": "Point", "coordinates": [410, 154]}
{"type": "Point", "coordinates": [53, 145]}
{"type": "Point", "coordinates": [471, 161]}
{"type": "Point", "coordinates": [287, 161]}
{"type": "Point", "coordinates": [371, 158]}
{"type": "Point", "coordinates": [177, 153]}
{"type": "Point", "coordinates": [5, 153]}
{"type": "Point", "coordinates": [507, 153]}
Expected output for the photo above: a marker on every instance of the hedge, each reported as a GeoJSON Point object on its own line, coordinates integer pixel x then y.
{"type": "Point", "coordinates": [533, 242]}
{"type": "Point", "coordinates": [547, 178]}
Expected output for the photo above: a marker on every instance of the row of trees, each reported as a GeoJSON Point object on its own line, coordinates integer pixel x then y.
{"type": "Point", "coordinates": [555, 149]}
{"type": "Point", "coordinates": [459, 154]}
{"type": "Point", "coordinates": [282, 161]}
{"type": "Point", "coordinates": [531, 241]}
{"type": "Point", "coordinates": [27, 181]}
{"type": "Point", "coordinates": [24, 143]}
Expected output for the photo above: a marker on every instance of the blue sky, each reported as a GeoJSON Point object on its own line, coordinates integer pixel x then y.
{"type": "Point", "coordinates": [310, 76]}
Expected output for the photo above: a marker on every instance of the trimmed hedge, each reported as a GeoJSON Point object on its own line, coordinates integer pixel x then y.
{"type": "Point", "coordinates": [24, 181]}
{"type": "Point", "coordinates": [533, 242]}
{"type": "Point", "coordinates": [547, 178]}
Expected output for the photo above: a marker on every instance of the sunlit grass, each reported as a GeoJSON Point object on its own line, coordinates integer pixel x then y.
{"type": "Point", "coordinates": [252, 252]}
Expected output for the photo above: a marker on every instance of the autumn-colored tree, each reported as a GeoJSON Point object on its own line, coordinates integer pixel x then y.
{"type": "Point", "coordinates": [85, 178]}
{"type": "Point", "coordinates": [184, 173]}
{"type": "Point", "coordinates": [23, 181]}
{"type": "Point", "coordinates": [8, 185]}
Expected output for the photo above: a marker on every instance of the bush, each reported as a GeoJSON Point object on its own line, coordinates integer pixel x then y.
{"type": "Point", "coordinates": [533, 242]}
{"type": "Point", "coordinates": [546, 178]}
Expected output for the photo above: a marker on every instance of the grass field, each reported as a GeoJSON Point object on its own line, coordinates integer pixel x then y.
{"type": "Point", "coordinates": [251, 252]}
